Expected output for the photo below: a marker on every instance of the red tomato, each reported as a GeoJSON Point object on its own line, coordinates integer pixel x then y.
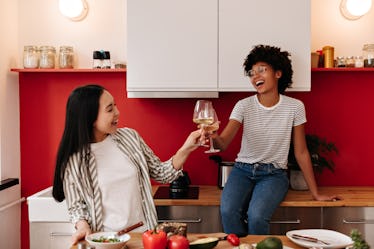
{"type": "Point", "coordinates": [233, 239]}
{"type": "Point", "coordinates": [178, 242]}
{"type": "Point", "coordinates": [154, 239]}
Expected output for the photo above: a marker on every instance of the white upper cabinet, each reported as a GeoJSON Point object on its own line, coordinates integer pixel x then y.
{"type": "Point", "coordinates": [245, 23]}
{"type": "Point", "coordinates": [172, 48]}
{"type": "Point", "coordinates": [194, 48]}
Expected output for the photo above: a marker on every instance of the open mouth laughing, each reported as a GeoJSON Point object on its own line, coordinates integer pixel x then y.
{"type": "Point", "coordinates": [259, 83]}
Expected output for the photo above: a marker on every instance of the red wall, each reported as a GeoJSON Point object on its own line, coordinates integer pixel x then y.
{"type": "Point", "coordinates": [340, 108]}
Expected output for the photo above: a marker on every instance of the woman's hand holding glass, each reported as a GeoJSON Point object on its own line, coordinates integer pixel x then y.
{"type": "Point", "coordinates": [206, 118]}
{"type": "Point", "coordinates": [210, 129]}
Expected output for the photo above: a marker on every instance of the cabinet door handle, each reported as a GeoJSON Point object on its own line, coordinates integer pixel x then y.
{"type": "Point", "coordinates": [9, 205]}
{"type": "Point", "coordinates": [358, 221]}
{"type": "Point", "coordinates": [197, 220]}
{"type": "Point", "coordinates": [59, 234]}
{"type": "Point", "coordinates": [285, 221]}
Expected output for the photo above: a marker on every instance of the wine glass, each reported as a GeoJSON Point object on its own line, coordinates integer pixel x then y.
{"type": "Point", "coordinates": [203, 114]}
{"type": "Point", "coordinates": [211, 128]}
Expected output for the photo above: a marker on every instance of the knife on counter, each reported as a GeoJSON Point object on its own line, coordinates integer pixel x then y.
{"type": "Point", "coordinates": [308, 238]}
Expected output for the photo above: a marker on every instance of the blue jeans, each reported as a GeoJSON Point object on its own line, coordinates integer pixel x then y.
{"type": "Point", "coordinates": [250, 196]}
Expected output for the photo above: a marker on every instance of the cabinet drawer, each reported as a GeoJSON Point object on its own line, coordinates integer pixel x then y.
{"type": "Point", "coordinates": [46, 235]}
{"type": "Point", "coordinates": [344, 219]}
{"type": "Point", "coordinates": [291, 218]}
{"type": "Point", "coordinates": [199, 219]}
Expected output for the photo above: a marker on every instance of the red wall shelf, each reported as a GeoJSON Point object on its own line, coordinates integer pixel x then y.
{"type": "Point", "coordinates": [344, 69]}
{"type": "Point", "coordinates": [121, 70]}
{"type": "Point", "coordinates": [73, 70]}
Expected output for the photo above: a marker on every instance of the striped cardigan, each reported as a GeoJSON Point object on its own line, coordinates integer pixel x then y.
{"type": "Point", "coordinates": [81, 188]}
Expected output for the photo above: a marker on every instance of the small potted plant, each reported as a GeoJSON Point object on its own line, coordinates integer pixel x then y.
{"type": "Point", "coordinates": [320, 154]}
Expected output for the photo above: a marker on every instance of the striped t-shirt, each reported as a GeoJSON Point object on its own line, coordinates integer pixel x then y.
{"type": "Point", "coordinates": [267, 130]}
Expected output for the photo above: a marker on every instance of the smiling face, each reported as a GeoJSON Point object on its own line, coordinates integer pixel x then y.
{"type": "Point", "coordinates": [107, 117]}
{"type": "Point", "coordinates": [263, 78]}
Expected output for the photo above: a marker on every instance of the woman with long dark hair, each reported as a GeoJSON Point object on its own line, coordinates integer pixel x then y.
{"type": "Point", "coordinates": [104, 171]}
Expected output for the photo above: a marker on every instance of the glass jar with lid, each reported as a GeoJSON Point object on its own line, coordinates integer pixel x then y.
{"type": "Point", "coordinates": [30, 57]}
{"type": "Point", "coordinates": [368, 54]}
{"type": "Point", "coordinates": [106, 60]}
{"type": "Point", "coordinates": [101, 59]}
{"type": "Point", "coordinates": [66, 57]}
{"type": "Point", "coordinates": [359, 61]}
{"type": "Point", "coordinates": [340, 61]}
{"type": "Point", "coordinates": [349, 61]}
{"type": "Point", "coordinates": [47, 57]}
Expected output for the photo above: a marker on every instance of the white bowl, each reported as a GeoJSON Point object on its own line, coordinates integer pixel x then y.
{"type": "Point", "coordinates": [107, 245]}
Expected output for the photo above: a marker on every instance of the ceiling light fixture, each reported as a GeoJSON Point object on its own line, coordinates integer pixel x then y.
{"type": "Point", "coordinates": [75, 10]}
{"type": "Point", "coordinates": [354, 9]}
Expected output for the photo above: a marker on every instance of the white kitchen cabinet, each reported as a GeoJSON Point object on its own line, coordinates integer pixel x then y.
{"type": "Point", "coordinates": [197, 48]}
{"type": "Point", "coordinates": [172, 47]}
{"type": "Point", "coordinates": [49, 222]}
{"type": "Point", "coordinates": [245, 23]}
{"type": "Point", "coordinates": [51, 235]}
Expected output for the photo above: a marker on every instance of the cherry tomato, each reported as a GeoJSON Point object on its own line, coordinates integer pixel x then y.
{"type": "Point", "coordinates": [178, 242]}
{"type": "Point", "coordinates": [154, 239]}
{"type": "Point", "coordinates": [233, 239]}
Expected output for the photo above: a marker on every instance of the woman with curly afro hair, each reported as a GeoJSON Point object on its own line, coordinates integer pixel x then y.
{"type": "Point", "coordinates": [258, 181]}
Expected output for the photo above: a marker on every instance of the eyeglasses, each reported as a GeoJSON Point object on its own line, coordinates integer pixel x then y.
{"type": "Point", "coordinates": [260, 70]}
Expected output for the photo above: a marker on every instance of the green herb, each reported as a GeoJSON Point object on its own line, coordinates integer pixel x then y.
{"type": "Point", "coordinates": [321, 153]}
{"type": "Point", "coordinates": [103, 239]}
{"type": "Point", "coordinates": [358, 241]}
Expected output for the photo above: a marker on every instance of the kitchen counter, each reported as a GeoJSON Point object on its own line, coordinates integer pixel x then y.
{"type": "Point", "coordinates": [136, 241]}
{"type": "Point", "coordinates": [351, 197]}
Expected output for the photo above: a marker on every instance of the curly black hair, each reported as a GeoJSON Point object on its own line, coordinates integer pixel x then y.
{"type": "Point", "coordinates": [277, 59]}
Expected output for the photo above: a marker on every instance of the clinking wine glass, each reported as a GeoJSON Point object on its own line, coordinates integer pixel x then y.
{"type": "Point", "coordinates": [211, 128]}
{"type": "Point", "coordinates": [203, 114]}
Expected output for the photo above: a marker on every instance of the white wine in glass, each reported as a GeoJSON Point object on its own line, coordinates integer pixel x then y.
{"type": "Point", "coordinates": [211, 128]}
{"type": "Point", "coordinates": [203, 114]}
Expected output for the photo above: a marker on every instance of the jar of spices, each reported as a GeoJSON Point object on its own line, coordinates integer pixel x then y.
{"type": "Point", "coordinates": [106, 60]}
{"type": "Point", "coordinates": [328, 53]}
{"type": "Point", "coordinates": [30, 57]}
{"type": "Point", "coordinates": [47, 57]}
{"type": "Point", "coordinates": [368, 52]}
{"type": "Point", "coordinates": [340, 61]}
{"type": "Point", "coordinates": [97, 59]}
{"type": "Point", "coordinates": [101, 59]}
{"type": "Point", "coordinates": [66, 57]}
{"type": "Point", "coordinates": [359, 61]}
{"type": "Point", "coordinates": [350, 62]}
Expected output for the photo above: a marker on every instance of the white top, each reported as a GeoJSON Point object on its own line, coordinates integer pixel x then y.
{"type": "Point", "coordinates": [267, 130]}
{"type": "Point", "coordinates": [119, 186]}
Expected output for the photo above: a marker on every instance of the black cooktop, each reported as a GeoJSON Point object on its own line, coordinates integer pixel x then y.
{"type": "Point", "coordinates": [164, 192]}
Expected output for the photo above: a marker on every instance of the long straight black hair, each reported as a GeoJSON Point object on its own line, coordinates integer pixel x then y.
{"type": "Point", "coordinates": [81, 112]}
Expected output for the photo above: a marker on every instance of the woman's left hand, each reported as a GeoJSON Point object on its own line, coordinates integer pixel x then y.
{"type": "Point", "coordinates": [327, 198]}
{"type": "Point", "coordinates": [192, 143]}
{"type": "Point", "coordinates": [195, 139]}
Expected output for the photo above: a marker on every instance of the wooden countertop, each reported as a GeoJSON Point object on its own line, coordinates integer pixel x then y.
{"type": "Point", "coordinates": [136, 240]}
{"type": "Point", "coordinates": [352, 197]}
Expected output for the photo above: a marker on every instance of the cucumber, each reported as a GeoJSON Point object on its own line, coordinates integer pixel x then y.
{"type": "Point", "coordinates": [204, 243]}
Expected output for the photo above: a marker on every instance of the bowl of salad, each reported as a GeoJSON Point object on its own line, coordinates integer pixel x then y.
{"type": "Point", "coordinates": [107, 240]}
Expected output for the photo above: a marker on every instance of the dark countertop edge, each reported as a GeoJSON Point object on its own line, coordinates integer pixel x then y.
{"type": "Point", "coordinates": [7, 183]}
